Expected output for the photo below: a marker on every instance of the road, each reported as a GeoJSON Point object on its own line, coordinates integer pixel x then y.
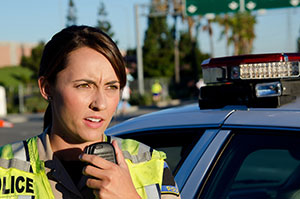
{"type": "Point", "coordinates": [28, 125]}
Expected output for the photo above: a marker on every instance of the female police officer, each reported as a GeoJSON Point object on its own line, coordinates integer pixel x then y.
{"type": "Point", "coordinates": [81, 75]}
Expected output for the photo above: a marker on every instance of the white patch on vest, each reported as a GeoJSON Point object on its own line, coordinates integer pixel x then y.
{"type": "Point", "coordinates": [19, 151]}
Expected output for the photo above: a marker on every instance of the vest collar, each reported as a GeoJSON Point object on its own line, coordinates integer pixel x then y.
{"type": "Point", "coordinates": [54, 168]}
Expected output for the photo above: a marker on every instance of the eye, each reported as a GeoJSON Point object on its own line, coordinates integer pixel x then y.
{"type": "Point", "coordinates": [113, 87]}
{"type": "Point", "coordinates": [85, 85]}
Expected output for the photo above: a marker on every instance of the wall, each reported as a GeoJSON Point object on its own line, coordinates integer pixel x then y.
{"type": "Point", "coordinates": [11, 52]}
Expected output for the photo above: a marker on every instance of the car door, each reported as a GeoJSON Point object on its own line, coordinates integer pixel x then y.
{"type": "Point", "coordinates": [177, 142]}
{"type": "Point", "coordinates": [246, 164]}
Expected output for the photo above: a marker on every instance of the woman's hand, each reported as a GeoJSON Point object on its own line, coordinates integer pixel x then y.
{"type": "Point", "coordinates": [109, 180]}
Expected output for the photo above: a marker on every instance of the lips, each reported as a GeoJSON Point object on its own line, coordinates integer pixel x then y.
{"type": "Point", "coordinates": [93, 122]}
{"type": "Point", "coordinates": [93, 119]}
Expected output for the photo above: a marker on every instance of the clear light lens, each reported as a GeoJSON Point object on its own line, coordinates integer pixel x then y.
{"type": "Point", "coordinates": [268, 89]}
{"type": "Point", "coordinates": [269, 70]}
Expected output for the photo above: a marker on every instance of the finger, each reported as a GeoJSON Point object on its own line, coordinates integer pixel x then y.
{"type": "Point", "coordinates": [95, 160]}
{"type": "Point", "coordinates": [96, 193]}
{"type": "Point", "coordinates": [97, 173]}
{"type": "Point", "coordinates": [119, 154]}
{"type": "Point", "coordinates": [94, 183]}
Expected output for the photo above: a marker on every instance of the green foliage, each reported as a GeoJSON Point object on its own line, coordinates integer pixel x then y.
{"type": "Point", "coordinates": [140, 100]}
{"type": "Point", "coordinates": [14, 75]}
{"type": "Point", "coordinates": [190, 62]}
{"type": "Point", "coordinates": [158, 49]}
{"type": "Point", "coordinates": [102, 22]}
{"type": "Point", "coordinates": [35, 104]}
{"type": "Point", "coordinates": [33, 101]}
{"type": "Point", "coordinates": [33, 62]}
{"type": "Point", "coordinates": [239, 31]}
{"type": "Point", "coordinates": [190, 57]}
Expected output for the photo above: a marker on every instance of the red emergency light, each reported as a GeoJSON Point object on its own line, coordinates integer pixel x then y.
{"type": "Point", "coordinates": [257, 80]}
{"type": "Point", "coordinates": [251, 67]}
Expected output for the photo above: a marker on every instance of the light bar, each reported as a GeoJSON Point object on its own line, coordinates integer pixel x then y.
{"type": "Point", "coordinates": [266, 70]}
{"type": "Point", "coordinates": [251, 67]}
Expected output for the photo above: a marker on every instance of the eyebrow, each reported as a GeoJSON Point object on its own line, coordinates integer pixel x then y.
{"type": "Point", "coordinates": [113, 82]}
{"type": "Point", "coordinates": [93, 82]}
{"type": "Point", "coordinates": [85, 80]}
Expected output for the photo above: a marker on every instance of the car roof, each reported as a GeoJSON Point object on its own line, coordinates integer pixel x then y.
{"type": "Point", "coordinates": [276, 118]}
{"type": "Point", "coordinates": [191, 116]}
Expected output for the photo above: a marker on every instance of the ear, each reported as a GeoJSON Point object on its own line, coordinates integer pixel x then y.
{"type": "Point", "coordinates": [44, 87]}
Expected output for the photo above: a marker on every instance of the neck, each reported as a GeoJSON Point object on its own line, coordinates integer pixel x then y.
{"type": "Point", "coordinates": [65, 150]}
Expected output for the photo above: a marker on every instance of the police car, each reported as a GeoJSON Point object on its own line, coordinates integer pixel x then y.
{"type": "Point", "coordinates": [239, 141]}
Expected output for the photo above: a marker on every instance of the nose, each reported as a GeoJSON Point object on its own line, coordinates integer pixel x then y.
{"type": "Point", "coordinates": [98, 102]}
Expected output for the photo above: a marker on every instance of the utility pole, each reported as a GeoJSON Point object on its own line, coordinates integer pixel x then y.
{"type": "Point", "coordinates": [242, 5]}
{"type": "Point", "coordinates": [176, 53]}
{"type": "Point", "coordinates": [21, 98]}
{"type": "Point", "coordinates": [140, 66]}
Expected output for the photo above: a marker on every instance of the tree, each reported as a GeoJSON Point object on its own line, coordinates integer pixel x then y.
{"type": "Point", "coordinates": [71, 17]}
{"type": "Point", "coordinates": [209, 29]}
{"type": "Point", "coordinates": [32, 62]}
{"type": "Point", "coordinates": [102, 22]}
{"type": "Point", "coordinates": [225, 22]}
{"type": "Point", "coordinates": [190, 62]}
{"type": "Point", "coordinates": [158, 50]}
{"type": "Point", "coordinates": [190, 56]}
{"type": "Point", "coordinates": [243, 33]}
{"type": "Point", "coordinates": [241, 27]}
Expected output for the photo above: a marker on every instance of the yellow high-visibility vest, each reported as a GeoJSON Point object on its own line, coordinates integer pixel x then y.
{"type": "Point", "coordinates": [22, 174]}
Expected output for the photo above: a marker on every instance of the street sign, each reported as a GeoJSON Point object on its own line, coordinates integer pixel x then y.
{"type": "Point", "coordinates": [202, 7]}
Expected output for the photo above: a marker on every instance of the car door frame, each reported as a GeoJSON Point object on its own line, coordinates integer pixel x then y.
{"type": "Point", "coordinates": [196, 166]}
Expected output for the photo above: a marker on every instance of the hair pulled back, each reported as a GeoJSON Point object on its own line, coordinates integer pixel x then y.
{"type": "Point", "coordinates": [56, 51]}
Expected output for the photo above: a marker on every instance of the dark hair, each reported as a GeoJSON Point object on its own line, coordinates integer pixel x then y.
{"type": "Point", "coordinates": [56, 51]}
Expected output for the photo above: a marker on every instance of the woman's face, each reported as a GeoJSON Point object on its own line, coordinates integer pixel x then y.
{"type": "Point", "coordinates": [85, 97]}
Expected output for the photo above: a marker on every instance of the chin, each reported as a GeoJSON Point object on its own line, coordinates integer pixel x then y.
{"type": "Point", "coordinates": [93, 138]}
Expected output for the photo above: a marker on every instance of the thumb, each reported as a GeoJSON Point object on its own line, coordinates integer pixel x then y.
{"type": "Point", "coordinates": [119, 154]}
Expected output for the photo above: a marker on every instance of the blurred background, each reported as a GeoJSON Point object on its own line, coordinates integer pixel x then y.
{"type": "Point", "coordinates": [163, 42]}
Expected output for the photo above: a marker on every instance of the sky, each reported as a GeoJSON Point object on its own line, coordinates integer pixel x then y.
{"type": "Point", "coordinates": [32, 21]}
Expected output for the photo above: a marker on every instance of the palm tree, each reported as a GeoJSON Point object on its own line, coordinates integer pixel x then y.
{"type": "Point", "coordinates": [242, 30]}
{"type": "Point", "coordinates": [239, 31]}
{"type": "Point", "coordinates": [209, 29]}
{"type": "Point", "coordinates": [225, 22]}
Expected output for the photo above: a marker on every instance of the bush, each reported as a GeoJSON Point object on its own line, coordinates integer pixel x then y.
{"type": "Point", "coordinates": [35, 104]}
{"type": "Point", "coordinates": [140, 100]}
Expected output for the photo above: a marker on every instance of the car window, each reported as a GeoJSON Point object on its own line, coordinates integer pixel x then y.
{"type": "Point", "coordinates": [256, 165]}
{"type": "Point", "coordinates": [176, 143]}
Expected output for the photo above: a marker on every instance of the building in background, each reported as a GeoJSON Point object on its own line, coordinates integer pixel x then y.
{"type": "Point", "coordinates": [12, 52]}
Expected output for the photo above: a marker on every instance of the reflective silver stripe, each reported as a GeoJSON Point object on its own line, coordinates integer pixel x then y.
{"type": "Point", "coordinates": [137, 158]}
{"type": "Point", "coordinates": [152, 192]}
{"type": "Point", "coordinates": [143, 155]}
{"type": "Point", "coordinates": [143, 149]}
{"type": "Point", "coordinates": [15, 163]}
{"type": "Point", "coordinates": [19, 159]}
{"type": "Point", "coordinates": [19, 151]}
{"type": "Point", "coordinates": [25, 197]}
{"type": "Point", "coordinates": [119, 141]}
